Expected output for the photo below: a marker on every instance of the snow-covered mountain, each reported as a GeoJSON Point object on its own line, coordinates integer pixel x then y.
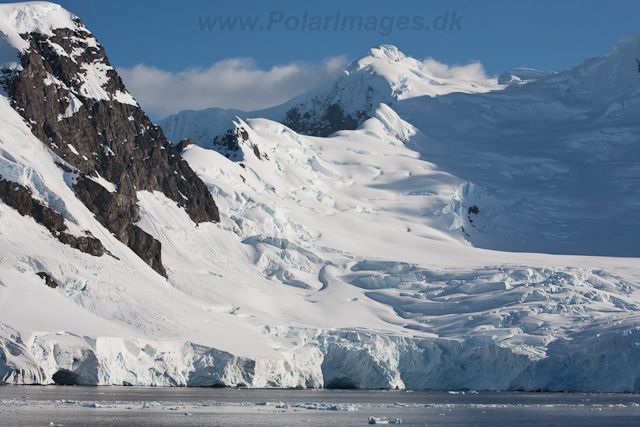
{"type": "Point", "coordinates": [72, 99]}
{"type": "Point", "coordinates": [555, 159]}
{"type": "Point", "coordinates": [383, 76]}
{"type": "Point", "coordinates": [543, 152]}
{"type": "Point", "coordinates": [363, 259]}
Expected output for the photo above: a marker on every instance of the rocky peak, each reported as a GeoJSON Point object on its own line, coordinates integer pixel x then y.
{"type": "Point", "coordinates": [231, 143]}
{"type": "Point", "coordinates": [76, 104]}
{"type": "Point", "coordinates": [182, 145]}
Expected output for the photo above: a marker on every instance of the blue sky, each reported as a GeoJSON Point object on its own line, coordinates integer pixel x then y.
{"type": "Point", "coordinates": [165, 37]}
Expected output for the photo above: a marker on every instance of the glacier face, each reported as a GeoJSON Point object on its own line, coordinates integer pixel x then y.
{"type": "Point", "coordinates": [331, 359]}
{"type": "Point", "coordinates": [364, 259]}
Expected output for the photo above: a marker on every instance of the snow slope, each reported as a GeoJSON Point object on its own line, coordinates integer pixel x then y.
{"type": "Point", "coordinates": [339, 261]}
{"type": "Point", "coordinates": [543, 152]}
{"type": "Point", "coordinates": [553, 163]}
{"type": "Point", "coordinates": [348, 214]}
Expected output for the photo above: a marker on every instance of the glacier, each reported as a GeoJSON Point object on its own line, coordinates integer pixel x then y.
{"type": "Point", "coordinates": [477, 235]}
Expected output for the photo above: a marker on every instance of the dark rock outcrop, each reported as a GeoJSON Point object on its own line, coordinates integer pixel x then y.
{"type": "Point", "coordinates": [182, 145]}
{"type": "Point", "coordinates": [48, 280]}
{"type": "Point", "coordinates": [227, 144]}
{"type": "Point", "coordinates": [104, 134]}
{"type": "Point", "coordinates": [21, 199]}
{"type": "Point", "coordinates": [321, 121]}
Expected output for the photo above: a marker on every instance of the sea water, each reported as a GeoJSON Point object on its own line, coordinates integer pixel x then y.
{"type": "Point", "coordinates": [133, 406]}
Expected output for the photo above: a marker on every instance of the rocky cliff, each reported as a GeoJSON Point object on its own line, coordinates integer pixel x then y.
{"type": "Point", "coordinates": [77, 105]}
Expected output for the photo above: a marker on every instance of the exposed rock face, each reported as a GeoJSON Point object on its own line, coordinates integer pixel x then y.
{"type": "Point", "coordinates": [182, 145]}
{"type": "Point", "coordinates": [322, 121]}
{"type": "Point", "coordinates": [21, 199]}
{"type": "Point", "coordinates": [227, 144]}
{"type": "Point", "coordinates": [101, 131]}
{"type": "Point", "coordinates": [48, 280]}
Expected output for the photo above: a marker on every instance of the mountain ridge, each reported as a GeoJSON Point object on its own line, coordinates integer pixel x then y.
{"type": "Point", "coordinates": [345, 104]}
{"type": "Point", "coordinates": [89, 119]}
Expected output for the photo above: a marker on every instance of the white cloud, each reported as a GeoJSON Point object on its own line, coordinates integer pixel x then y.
{"type": "Point", "coordinates": [231, 83]}
{"type": "Point", "coordinates": [473, 71]}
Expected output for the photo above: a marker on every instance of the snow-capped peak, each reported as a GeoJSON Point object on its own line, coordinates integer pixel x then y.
{"type": "Point", "coordinates": [610, 77]}
{"type": "Point", "coordinates": [386, 54]}
{"type": "Point", "coordinates": [387, 51]}
{"type": "Point", "coordinates": [630, 41]}
{"type": "Point", "coordinates": [384, 75]}
{"type": "Point", "coordinates": [76, 45]}
{"type": "Point", "coordinates": [33, 17]}
{"type": "Point", "coordinates": [395, 76]}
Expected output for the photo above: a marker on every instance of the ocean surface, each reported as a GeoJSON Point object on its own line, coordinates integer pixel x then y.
{"type": "Point", "coordinates": [133, 406]}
